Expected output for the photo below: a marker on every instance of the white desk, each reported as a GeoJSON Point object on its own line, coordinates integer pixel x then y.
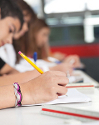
{"type": "Point", "coordinates": [87, 78]}
{"type": "Point", "coordinates": [32, 116]}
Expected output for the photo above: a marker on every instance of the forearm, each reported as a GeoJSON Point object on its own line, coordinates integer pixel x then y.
{"type": "Point", "coordinates": [52, 68]}
{"type": "Point", "coordinates": [7, 70]}
{"type": "Point", "coordinates": [7, 97]}
{"type": "Point", "coordinates": [13, 71]}
{"type": "Point", "coordinates": [38, 90]}
{"type": "Point", "coordinates": [20, 78]}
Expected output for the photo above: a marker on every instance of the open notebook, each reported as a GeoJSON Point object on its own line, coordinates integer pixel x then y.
{"type": "Point", "coordinates": [72, 96]}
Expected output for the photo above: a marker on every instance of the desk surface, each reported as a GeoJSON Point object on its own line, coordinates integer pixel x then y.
{"type": "Point", "coordinates": [32, 116]}
{"type": "Point", "coordinates": [87, 78]}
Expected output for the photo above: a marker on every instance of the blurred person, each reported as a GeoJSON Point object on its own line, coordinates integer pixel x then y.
{"type": "Point", "coordinates": [38, 42]}
{"type": "Point", "coordinates": [29, 16]}
{"type": "Point", "coordinates": [38, 36]}
{"type": "Point", "coordinates": [41, 32]}
{"type": "Point", "coordinates": [10, 23]}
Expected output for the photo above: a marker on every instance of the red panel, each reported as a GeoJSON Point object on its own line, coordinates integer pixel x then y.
{"type": "Point", "coordinates": [91, 50]}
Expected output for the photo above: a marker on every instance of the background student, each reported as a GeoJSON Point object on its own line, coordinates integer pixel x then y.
{"type": "Point", "coordinates": [41, 38]}
{"type": "Point", "coordinates": [11, 23]}
{"type": "Point", "coordinates": [29, 91]}
{"type": "Point", "coordinates": [38, 37]}
{"type": "Point", "coordinates": [29, 16]}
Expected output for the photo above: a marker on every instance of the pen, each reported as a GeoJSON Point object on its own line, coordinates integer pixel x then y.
{"type": "Point", "coordinates": [29, 61]}
{"type": "Point", "coordinates": [35, 57]}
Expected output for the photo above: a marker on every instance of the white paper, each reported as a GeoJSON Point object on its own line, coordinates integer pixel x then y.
{"type": "Point", "coordinates": [72, 96]}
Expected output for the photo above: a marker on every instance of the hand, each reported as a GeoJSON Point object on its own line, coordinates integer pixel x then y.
{"type": "Point", "coordinates": [44, 88]}
{"type": "Point", "coordinates": [59, 56]}
{"type": "Point", "coordinates": [64, 67]}
{"type": "Point", "coordinates": [73, 60]}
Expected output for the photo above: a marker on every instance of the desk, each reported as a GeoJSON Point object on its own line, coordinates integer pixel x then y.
{"type": "Point", "coordinates": [87, 78]}
{"type": "Point", "coordinates": [32, 116]}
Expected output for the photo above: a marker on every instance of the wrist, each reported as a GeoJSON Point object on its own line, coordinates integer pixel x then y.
{"type": "Point", "coordinates": [26, 96]}
{"type": "Point", "coordinates": [7, 97]}
{"type": "Point", "coordinates": [24, 93]}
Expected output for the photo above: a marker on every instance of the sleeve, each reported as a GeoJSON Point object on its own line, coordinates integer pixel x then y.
{"type": "Point", "coordinates": [2, 63]}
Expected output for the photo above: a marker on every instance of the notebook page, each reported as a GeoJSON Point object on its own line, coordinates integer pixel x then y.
{"type": "Point", "coordinates": [72, 96]}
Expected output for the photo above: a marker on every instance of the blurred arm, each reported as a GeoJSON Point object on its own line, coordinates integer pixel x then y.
{"type": "Point", "coordinates": [20, 77]}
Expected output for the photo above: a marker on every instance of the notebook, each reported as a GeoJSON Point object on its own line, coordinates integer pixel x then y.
{"type": "Point", "coordinates": [72, 96]}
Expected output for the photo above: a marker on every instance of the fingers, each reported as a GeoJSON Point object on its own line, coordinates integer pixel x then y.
{"type": "Point", "coordinates": [62, 80]}
{"type": "Point", "coordinates": [57, 73]}
{"type": "Point", "coordinates": [61, 90]}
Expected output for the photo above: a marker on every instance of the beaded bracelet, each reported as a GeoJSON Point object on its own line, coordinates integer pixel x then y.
{"type": "Point", "coordinates": [18, 94]}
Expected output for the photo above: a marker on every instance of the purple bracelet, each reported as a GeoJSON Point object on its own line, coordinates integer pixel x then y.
{"type": "Point", "coordinates": [18, 94]}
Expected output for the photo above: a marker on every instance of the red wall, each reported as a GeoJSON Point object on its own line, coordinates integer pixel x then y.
{"type": "Point", "coordinates": [89, 50]}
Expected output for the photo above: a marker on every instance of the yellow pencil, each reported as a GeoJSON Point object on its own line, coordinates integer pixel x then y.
{"type": "Point", "coordinates": [29, 61]}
